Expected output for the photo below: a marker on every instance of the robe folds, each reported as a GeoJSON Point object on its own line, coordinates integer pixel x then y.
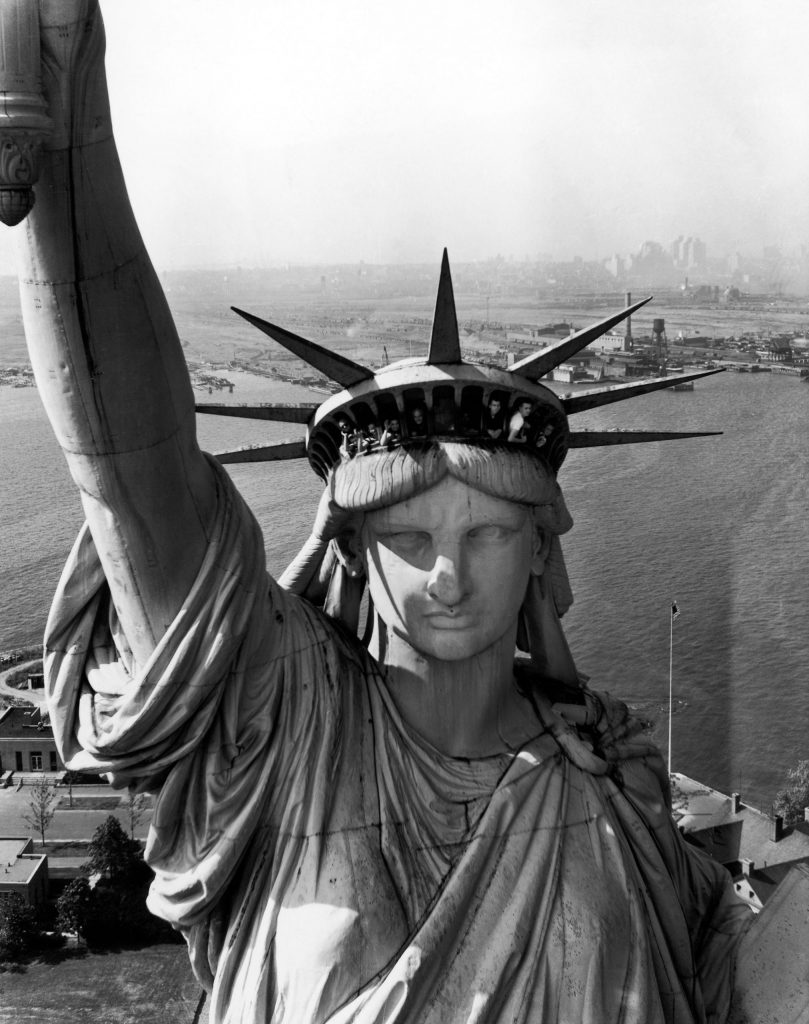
{"type": "Point", "coordinates": [326, 864]}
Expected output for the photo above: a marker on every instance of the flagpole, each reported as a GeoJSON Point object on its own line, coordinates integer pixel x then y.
{"type": "Point", "coordinates": [671, 664]}
{"type": "Point", "coordinates": [672, 615]}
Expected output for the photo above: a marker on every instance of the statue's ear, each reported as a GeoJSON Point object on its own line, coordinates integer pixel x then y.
{"type": "Point", "coordinates": [348, 546]}
{"type": "Point", "coordinates": [542, 547]}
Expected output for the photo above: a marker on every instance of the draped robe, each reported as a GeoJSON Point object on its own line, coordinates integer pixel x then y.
{"type": "Point", "coordinates": [326, 864]}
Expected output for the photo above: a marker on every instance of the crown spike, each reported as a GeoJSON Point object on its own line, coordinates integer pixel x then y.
{"type": "Point", "coordinates": [540, 363]}
{"type": "Point", "coordinates": [289, 413]}
{"type": "Point", "coordinates": [336, 367]}
{"type": "Point", "coordinates": [600, 438]}
{"type": "Point", "coordinates": [597, 397]}
{"type": "Point", "coordinates": [445, 344]}
{"type": "Point", "coordinates": [263, 453]}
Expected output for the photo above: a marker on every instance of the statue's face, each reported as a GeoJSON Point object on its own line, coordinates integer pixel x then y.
{"type": "Point", "coordinates": [448, 569]}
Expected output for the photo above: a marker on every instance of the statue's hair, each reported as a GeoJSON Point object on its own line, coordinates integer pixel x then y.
{"type": "Point", "coordinates": [380, 479]}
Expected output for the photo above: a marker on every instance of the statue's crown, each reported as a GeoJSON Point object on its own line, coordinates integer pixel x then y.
{"type": "Point", "coordinates": [442, 397]}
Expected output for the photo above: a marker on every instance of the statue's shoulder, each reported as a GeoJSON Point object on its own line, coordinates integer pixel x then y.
{"type": "Point", "coordinates": [595, 730]}
{"type": "Point", "coordinates": [623, 738]}
{"type": "Point", "coordinates": [307, 626]}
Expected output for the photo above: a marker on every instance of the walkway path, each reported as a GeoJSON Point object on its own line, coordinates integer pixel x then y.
{"type": "Point", "coordinates": [36, 697]}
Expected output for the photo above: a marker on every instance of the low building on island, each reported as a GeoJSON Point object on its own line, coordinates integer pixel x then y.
{"type": "Point", "coordinates": [23, 871]}
{"type": "Point", "coordinates": [26, 743]}
{"type": "Point", "coordinates": [757, 849]}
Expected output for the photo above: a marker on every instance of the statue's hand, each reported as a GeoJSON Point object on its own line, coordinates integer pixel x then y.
{"type": "Point", "coordinates": [310, 571]}
{"type": "Point", "coordinates": [331, 520]}
{"type": "Point", "coordinates": [72, 46]}
{"type": "Point", "coordinates": [64, 27]}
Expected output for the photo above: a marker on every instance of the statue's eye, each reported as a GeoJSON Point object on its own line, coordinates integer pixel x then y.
{"type": "Point", "coordinates": [407, 541]}
{"type": "Point", "coordinates": [490, 532]}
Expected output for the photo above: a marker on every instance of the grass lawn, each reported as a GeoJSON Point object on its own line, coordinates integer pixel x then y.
{"type": "Point", "coordinates": [64, 848]}
{"type": "Point", "coordinates": [89, 803]}
{"type": "Point", "coordinates": [153, 985]}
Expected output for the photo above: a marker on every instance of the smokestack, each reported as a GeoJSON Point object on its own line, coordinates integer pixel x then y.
{"type": "Point", "coordinates": [628, 335]}
{"type": "Point", "coordinates": [735, 803]}
{"type": "Point", "coordinates": [777, 829]}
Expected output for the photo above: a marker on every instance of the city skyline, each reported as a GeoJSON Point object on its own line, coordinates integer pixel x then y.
{"type": "Point", "coordinates": [683, 254]}
{"type": "Point", "coordinates": [310, 132]}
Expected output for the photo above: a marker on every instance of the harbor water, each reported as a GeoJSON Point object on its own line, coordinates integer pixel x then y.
{"type": "Point", "coordinates": [718, 524]}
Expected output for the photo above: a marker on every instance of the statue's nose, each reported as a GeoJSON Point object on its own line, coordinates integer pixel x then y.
{"type": "Point", "coordinates": [447, 581]}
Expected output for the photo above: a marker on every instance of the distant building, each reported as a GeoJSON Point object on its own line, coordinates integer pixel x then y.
{"type": "Point", "coordinates": [612, 341]}
{"type": "Point", "coordinates": [532, 335]}
{"type": "Point", "coordinates": [756, 849]}
{"type": "Point", "coordinates": [688, 252]}
{"type": "Point", "coordinates": [617, 265]}
{"type": "Point", "coordinates": [779, 350]}
{"type": "Point", "coordinates": [26, 742]}
{"type": "Point", "coordinates": [565, 373]}
{"type": "Point", "coordinates": [23, 871]}
{"type": "Point", "coordinates": [580, 367]}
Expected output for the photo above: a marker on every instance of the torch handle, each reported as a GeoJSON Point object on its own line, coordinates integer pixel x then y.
{"type": "Point", "coordinates": [24, 121]}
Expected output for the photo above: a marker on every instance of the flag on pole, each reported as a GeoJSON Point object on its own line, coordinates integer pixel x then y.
{"type": "Point", "coordinates": [675, 611]}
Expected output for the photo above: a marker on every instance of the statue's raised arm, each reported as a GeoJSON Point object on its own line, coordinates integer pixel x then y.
{"type": "Point", "coordinates": [105, 350]}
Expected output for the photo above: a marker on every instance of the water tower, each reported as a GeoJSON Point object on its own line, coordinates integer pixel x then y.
{"type": "Point", "coordinates": [660, 345]}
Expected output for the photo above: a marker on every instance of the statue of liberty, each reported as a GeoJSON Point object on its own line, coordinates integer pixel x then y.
{"type": "Point", "coordinates": [410, 827]}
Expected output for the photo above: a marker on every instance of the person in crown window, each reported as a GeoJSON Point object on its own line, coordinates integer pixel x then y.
{"type": "Point", "coordinates": [494, 418]}
{"type": "Point", "coordinates": [518, 423]}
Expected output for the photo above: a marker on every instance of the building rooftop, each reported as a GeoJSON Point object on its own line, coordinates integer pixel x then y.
{"type": "Point", "coordinates": [26, 721]}
{"type": "Point", "coordinates": [18, 862]}
{"type": "Point", "coordinates": [771, 981]}
{"type": "Point", "coordinates": [746, 840]}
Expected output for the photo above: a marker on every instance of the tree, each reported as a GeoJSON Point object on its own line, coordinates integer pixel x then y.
{"type": "Point", "coordinates": [794, 797]}
{"type": "Point", "coordinates": [18, 925]}
{"type": "Point", "coordinates": [115, 911]}
{"type": "Point", "coordinates": [136, 806]}
{"type": "Point", "coordinates": [112, 853]}
{"type": "Point", "coordinates": [41, 806]}
{"type": "Point", "coordinates": [74, 907]}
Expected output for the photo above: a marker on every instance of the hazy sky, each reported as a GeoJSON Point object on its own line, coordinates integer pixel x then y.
{"type": "Point", "coordinates": [338, 130]}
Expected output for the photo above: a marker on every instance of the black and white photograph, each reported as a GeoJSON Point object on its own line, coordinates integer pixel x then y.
{"type": "Point", "coordinates": [404, 539]}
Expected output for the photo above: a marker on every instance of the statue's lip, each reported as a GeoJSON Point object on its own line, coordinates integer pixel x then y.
{"type": "Point", "coordinates": [450, 620]}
